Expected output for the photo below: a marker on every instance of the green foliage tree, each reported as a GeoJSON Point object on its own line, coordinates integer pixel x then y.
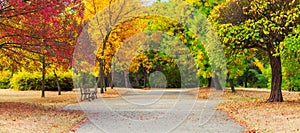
{"type": "Point", "coordinates": [291, 59]}
{"type": "Point", "coordinates": [205, 6]}
{"type": "Point", "coordinates": [261, 24]}
{"type": "Point", "coordinates": [196, 34]}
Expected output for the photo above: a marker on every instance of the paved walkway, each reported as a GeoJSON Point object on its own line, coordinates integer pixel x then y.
{"type": "Point", "coordinates": [154, 112]}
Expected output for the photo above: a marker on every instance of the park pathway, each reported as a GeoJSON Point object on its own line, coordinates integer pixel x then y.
{"type": "Point", "coordinates": [156, 111]}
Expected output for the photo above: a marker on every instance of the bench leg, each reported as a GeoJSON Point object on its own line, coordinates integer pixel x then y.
{"type": "Point", "coordinates": [84, 96]}
{"type": "Point", "coordinates": [89, 97]}
{"type": "Point", "coordinates": [92, 96]}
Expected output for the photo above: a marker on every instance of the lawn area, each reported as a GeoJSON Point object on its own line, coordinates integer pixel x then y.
{"type": "Point", "coordinates": [250, 109]}
{"type": "Point", "coordinates": [26, 111]}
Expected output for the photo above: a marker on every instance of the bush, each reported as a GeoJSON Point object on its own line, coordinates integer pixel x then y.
{"type": "Point", "coordinates": [4, 79]}
{"type": "Point", "coordinates": [33, 81]}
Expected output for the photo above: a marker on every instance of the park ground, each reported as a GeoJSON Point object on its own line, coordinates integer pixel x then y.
{"type": "Point", "coordinates": [25, 111]}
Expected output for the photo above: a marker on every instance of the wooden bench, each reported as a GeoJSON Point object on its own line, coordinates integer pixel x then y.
{"type": "Point", "coordinates": [88, 94]}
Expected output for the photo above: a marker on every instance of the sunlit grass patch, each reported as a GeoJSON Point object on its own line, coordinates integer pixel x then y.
{"type": "Point", "coordinates": [26, 111]}
{"type": "Point", "coordinates": [250, 109]}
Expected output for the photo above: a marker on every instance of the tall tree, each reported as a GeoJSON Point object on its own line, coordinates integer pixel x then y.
{"type": "Point", "coordinates": [35, 30]}
{"type": "Point", "coordinates": [186, 35]}
{"type": "Point", "coordinates": [107, 15]}
{"type": "Point", "coordinates": [261, 24]}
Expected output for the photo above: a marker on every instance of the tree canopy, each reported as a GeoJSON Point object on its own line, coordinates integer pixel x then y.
{"type": "Point", "coordinates": [261, 24]}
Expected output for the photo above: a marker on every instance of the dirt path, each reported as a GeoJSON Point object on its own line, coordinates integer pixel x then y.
{"type": "Point", "coordinates": [154, 111]}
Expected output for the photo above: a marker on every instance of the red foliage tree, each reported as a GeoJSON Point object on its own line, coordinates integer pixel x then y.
{"type": "Point", "coordinates": [41, 30]}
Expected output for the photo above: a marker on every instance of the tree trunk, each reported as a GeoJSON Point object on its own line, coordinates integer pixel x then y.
{"type": "Point", "coordinates": [276, 94]}
{"type": "Point", "coordinates": [216, 82]}
{"type": "Point", "coordinates": [126, 79]}
{"type": "Point", "coordinates": [246, 78]}
{"type": "Point", "coordinates": [210, 83]}
{"type": "Point", "coordinates": [111, 80]}
{"type": "Point", "coordinates": [137, 80]}
{"type": "Point", "coordinates": [101, 75]}
{"type": "Point", "coordinates": [101, 60]}
{"type": "Point", "coordinates": [145, 79]}
{"type": "Point", "coordinates": [104, 83]}
{"type": "Point", "coordinates": [246, 81]}
{"type": "Point", "coordinates": [43, 75]}
{"type": "Point", "coordinates": [57, 83]}
{"type": "Point", "coordinates": [232, 85]}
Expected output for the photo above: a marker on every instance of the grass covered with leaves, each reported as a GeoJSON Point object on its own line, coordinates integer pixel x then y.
{"type": "Point", "coordinates": [26, 111]}
{"type": "Point", "coordinates": [113, 93]}
{"type": "Point", "coordinates": [250, 109]}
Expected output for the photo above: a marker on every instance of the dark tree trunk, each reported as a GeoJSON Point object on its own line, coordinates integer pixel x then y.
{"type": "Point", "coordinates": [57, 83]}
{"type": "Point", "coordinates": [145, 79]}
{"type": "Point", "coordinates": [102, 60]}
{"type": "Point", "coordinates": [232, 85]}
{"type": "Point", "coordinates": [101, 76]}
{"type": "Point", "coordinates": [246, 79]}
{"type": "Point", "coordinates": [276, 94]}
{"type": "Point", "coordinates": [43, 75]}
{"type": "Point", "coordinates": [216, 82]}
{"type": "Point", "coordinates": [210, 83]}
{"type": "Point", "coordinates": [104, 83]}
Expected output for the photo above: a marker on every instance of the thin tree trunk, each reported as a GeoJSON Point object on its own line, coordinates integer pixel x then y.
{"type": "Point", "coordinates": [145, 79]}
{"type": "Point", "coordinates": [138, 80]}
{"type": "Point", "coordinates": [246, 79]}
{"type": "Point", "coordinates": [101, 76]}
{"type": "Point", "coordinates": [210, 83]}
{"type": "Point", "coordinates": [12, 73]}
{"type": "Point", "coordinates": [104, 83]}
{"type": "Point", "coordinates": [112, 79]}
{"type": "Point", "coordinates": [126, 79]}
{"type": "Point", "coordinates": [43, 74]}
{"type": "Point", "coordinates": [57, 83]}
{"type": "Point", "coordinates": [216, 82]}
{"type": "Point", "coordinates": [276, 94]}
{"type": "Point", "coordinates": [101, 60]}
{"type": "Point", "coordinates": [232, 85]}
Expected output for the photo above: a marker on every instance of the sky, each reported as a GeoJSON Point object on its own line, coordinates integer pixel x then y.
{"type": "Point", "coordinates": [150, 2]}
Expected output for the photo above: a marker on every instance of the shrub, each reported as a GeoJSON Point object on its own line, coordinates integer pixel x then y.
{"type": "Point", "coordinates": [83, 78]}
{"type": "Point", "coordinates": [33, 81]}
{"type": "Point", "coordinates": [4, 79]}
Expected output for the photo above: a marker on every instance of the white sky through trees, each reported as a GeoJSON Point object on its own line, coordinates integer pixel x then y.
{"type": "Point", "coordinates": [150, 2]}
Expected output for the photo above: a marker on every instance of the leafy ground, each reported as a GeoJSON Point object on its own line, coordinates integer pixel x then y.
{"type": "Point", "coordinates": [26, 111]}
{"type": "Point", "coordinates": [250, 109]}
{"type": "Point", "coordinates": [113, 93]}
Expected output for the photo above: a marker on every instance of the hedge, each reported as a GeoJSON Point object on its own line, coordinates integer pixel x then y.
{"type": "Point", "coordinates": [33, 81]}
{"type": "Point", "coordinates": [4, 79]}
